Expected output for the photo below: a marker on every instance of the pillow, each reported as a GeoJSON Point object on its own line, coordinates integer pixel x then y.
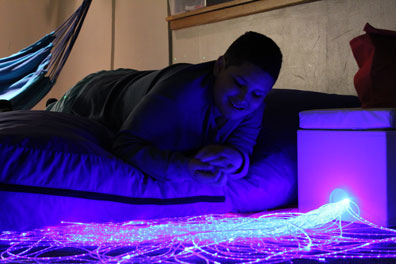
{"type": "Point", "coordinates": [375, 54]}
{"type": "Point", "coordinates": [53, 131]}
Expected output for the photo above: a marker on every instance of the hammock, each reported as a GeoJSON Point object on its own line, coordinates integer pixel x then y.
{"type": "Point", "coordinates": [27, 76]}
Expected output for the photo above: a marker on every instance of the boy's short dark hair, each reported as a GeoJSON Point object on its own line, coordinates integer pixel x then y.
{"type": "Point", "coordinates": [258, 49]}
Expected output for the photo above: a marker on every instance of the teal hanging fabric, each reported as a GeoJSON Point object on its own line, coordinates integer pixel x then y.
{"type": "Point", "coordinates": [27, 76]}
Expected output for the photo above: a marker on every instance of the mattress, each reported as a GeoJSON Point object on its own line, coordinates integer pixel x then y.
{"type": "Point", "coordinates": [57, 167]}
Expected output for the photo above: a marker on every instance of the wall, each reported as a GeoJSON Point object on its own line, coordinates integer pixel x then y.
{"type": "Point", "coordinates": [116, 33]}
{"type": "Point", "coordinates": [92, 50]}
{"type": "Point", "coordinates": [141, 34]}
{"type": "Point", "coordinates": [314, 38]}
{"type": "Point", "coordinates": [16, 28]}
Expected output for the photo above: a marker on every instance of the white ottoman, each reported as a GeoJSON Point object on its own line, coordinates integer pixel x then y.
{"type": "Point", "coordinates": [353, 150]}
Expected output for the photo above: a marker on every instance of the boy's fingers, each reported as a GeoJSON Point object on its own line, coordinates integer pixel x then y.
{"type": "Point", "coordinates": [209, 152]}
{"type": "Point", "coordinates": [230, 168]}
{"type": "Point", "coordinates": [219, 162]}
{"type": "Point", "coordinates": [206, 155]}
{"type": "Point", "coordinates": [205, 176]}
{"type": "Point", "coordinates": [211, 157]}
{"type": "Point", "coordinates": [202, 166]}
{"type": "Point", "coordinates": [205, 167]}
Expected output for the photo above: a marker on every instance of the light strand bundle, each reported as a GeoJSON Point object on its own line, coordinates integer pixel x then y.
{"type": "Point", "coordinates": [270, 238]}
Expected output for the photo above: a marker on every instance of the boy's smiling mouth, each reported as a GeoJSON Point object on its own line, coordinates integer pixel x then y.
{"type": "Point", "coordinates": [237, 106]}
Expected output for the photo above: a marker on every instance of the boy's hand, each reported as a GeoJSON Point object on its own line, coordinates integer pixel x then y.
{"type": "Point", "coordinates": [206, 173]}
{"type": "Point", "coordinates": [226, 158]}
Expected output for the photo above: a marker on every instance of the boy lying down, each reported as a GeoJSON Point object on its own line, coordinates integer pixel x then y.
{"type": "Point", "coordinates": [185, 122]}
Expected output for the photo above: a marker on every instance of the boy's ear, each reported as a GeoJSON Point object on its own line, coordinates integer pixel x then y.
{"type": "Point", "coordinates": [219, 65]}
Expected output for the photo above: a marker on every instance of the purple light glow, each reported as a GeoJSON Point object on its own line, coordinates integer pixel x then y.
{"type": "Point", "coordinates": [359, 162]}
{"type": "Point", "coordinates": [270, 238]}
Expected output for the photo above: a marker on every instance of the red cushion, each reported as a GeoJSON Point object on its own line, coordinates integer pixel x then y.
{"type": "Point", "coordinates": [375, 54]}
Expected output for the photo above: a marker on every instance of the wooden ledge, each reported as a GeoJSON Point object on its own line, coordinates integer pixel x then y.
{"type": "Point", "coordinates": [228, 10]}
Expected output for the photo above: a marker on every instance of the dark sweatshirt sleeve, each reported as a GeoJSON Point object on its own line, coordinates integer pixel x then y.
{"type": "Point", "coordinates": [244, 137]}
{"type": "Point", "coordinates": [142, 140]}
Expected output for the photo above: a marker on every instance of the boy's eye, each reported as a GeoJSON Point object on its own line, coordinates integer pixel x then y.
{"type": "Point", "coordinates": [258, 95]}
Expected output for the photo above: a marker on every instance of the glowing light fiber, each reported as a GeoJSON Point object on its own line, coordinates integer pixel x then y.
{"type": "Point", "coordinates": [271, 238]}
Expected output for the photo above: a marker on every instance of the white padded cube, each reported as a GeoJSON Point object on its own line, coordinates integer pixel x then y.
{"type": "Point", "coordinates": [361, 162]}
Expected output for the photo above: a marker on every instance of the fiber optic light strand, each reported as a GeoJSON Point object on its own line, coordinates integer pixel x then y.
{"type": "Point", "coordinates": [270, 238]}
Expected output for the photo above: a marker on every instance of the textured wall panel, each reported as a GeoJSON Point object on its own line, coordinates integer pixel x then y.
{"type": "Point", "coordinates": [314, 38]}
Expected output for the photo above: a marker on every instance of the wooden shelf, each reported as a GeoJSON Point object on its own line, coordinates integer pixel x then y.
{"type": "Point", "coordinates": [228, 10]}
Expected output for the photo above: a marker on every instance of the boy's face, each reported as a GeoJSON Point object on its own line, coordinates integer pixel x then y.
{"type": "Point", "coordinates": [240, 89]}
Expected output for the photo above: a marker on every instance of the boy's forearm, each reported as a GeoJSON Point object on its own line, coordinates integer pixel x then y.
{"type": "Point", "coordinates": [156, 163]}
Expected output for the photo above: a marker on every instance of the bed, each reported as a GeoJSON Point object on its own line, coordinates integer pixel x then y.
{"type": "Point", "coordinates": [66, 198]}
{"type": "Point", "coordinates": [57, 167]}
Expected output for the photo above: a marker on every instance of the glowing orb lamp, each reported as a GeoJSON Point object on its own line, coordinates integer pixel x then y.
{"type": "Point", "coordinates": [350, 154]}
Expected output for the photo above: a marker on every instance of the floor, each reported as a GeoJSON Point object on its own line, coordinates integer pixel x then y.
{"type": "Point", "coordinates": [319, 236]}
